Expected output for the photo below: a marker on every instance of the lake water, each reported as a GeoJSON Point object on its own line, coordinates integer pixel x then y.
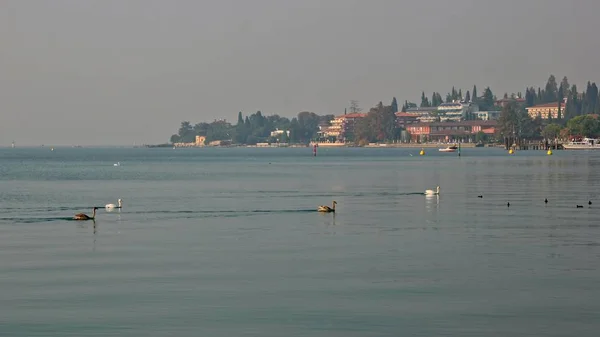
{"type": "Point", "coordinates": [227, 242]}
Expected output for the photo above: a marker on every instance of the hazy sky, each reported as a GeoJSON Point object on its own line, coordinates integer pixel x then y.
{"type": "Point", "coordinates": [124, 71]}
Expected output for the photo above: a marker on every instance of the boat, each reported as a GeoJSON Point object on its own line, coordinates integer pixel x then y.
{"type": "Point", "coordinates": [452, 148]}
{"type": "Point", "coordinates": [583, 144]}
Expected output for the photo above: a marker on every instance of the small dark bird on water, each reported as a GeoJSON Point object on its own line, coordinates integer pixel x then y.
{"type": "Point", "coordinates": [508, 204]}
{"type": "Point", "coordinates": [480, 196]}
{"type": "Point", "coordinates": [579, 206]}
{"type": "Point", "coordinates": [589, 202]}
{"type": "Point", "coordinates": [546, 200]}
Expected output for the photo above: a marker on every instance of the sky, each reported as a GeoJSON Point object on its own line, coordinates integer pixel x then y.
{"type": "Point", "coordinates": [113, 72]}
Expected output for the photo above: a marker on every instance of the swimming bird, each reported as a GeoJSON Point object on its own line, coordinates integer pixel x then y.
{"type": "Point", "coordinates": [480, 196]}
{"type": "Point", "coordinates": [82, 216]}
{"type": "Point", "coordinates": [589, 202]}
{"type": "Point", "coordinates": [579, 206]}
{"type": "Point", "coordinates": [327, 209]}
{"type": "Point", "coordinates": [508, 204]}
{"type": "Point", "coordinates": [546, 200]}
{"type": "Point", "coordinates": [117, 163]}
{"type": "Point", "coordinates": [120, 202]}
{"type": "Point", "coordinates": [432, 192]}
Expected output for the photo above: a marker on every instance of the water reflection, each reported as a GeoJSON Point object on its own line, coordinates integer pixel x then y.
{"type": "Point", "coordinates": [432, 201]}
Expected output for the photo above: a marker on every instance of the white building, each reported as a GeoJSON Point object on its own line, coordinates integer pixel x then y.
{"type": "Point", "coordinates": [487, 115]}
{"type": "Point", "coordinates": [278, 132]}
{"type": "Point", "coordinates": [455, 111]}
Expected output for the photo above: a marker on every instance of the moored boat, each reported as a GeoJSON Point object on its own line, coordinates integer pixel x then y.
{"type": "Point", "coordinates": [582, 144]}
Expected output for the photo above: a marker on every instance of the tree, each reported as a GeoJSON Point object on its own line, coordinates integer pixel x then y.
{"type": "Point", "coordinates": [467, 97]}
{"type": "Point", "coordinates": [564, 85]}
{"type": "Point", "coordinates": [186, 133]}
{"type": "Point", "coordinates": [586, 125]}
{"type": "Point", "coordinates": [240, 119]}
{"type": "Point", "coordinates": [480, 137]}
{"type": "Point", "coordinates": [378, 125]}
{"type": "Point", "coordinates": [560, 101]}
{"type": "Point", "coordinates": [515, 123]}
{"type": "Point", "coordinates": [551, 131]}
{"type": "Point", "coordinates": [424, 100]}
{"type": "Point", "coordinates": [174, 139]}
{"type": "Point", "coordinates": [474, 93]}
{"type": "Point", "coordinates": [354, 108]}
{"type": "Point", "coordinates": [487, 102]}
{"type": "Point", "coordinates": [530, 97]}
{"type": "Point", "coordinates": [551, 92]}
{"type": "Point", "coordinates": [394, 105]}
{"type": "Point", "coordinates": [436, 99]}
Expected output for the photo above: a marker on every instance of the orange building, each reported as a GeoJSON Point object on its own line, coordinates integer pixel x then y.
{"type": "Point", "coordinates": [545, 110]}
{"type": "Point", "coordinates": [450, 131]}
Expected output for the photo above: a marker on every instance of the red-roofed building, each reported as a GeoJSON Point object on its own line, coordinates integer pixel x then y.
{"type": "Point", "coordinates": [545, 110]}
{"type": "Point", "coordinates": [342, 127]}
{"type": "Point", "coordinates": [450, 131]}
{"type": "Point", "coordinates": [505, 101]}
{"type": "Point", "coordinates": [403, 119]}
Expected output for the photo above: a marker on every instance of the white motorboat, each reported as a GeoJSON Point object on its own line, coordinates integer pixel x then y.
{"type": "Point", "coordinates": [452, 148]}
{"type": "Point", "coordinates": [584, 144]}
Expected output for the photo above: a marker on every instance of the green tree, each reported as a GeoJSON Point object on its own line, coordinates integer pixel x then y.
{"type": "Point", "coordinates": [379, 125]}
{"type": "Point", "coordinates": [241, 130]}
{"type": "Point", "coordinates": [424, 100]}
{"type": "Point", "coordinates": [551, 131]}
{"type": "Point", "coordinates": [487, 102]}
{"type": "Point", "coordinates": [474, 93]}
{"type": "Point", "coordinates": [480, 137]}
{"type": "Point", "coordinates": [515, 123]}
{"type": "Point", "coordinates": [564, 85]}
{"type": "Point", "coordinates": [394, 105]}
{"type": "Point", "coordinates": [586, 125]}
{"type": "Point", "coordinates": [186, 132]}
{"type": "Point", "coordinates": [551, 92]}
{"type": "Point", "coordinates": [467, 97]}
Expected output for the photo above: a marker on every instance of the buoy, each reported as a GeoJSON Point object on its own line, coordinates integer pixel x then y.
{"type": "Point", "coordinates": [511, 151]}
{"type": "Point", "coordinates": [549, 152]}
{"type": "Point", "coordinates": [422, 153]}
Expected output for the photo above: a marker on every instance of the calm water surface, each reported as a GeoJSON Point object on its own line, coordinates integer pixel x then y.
{"type": "Point", "coordinates": [227, 242]}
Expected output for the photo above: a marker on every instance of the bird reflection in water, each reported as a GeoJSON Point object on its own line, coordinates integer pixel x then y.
{"type": "Point", "coordinates": [432, 201]}
{"type": "Point", "coordinates": [328, 216]}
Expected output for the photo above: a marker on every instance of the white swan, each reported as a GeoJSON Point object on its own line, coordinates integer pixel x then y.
{"type": "Point", "coordinates": [117, 164]}
{"type": "Point", "coordinates": [120, 202]}
{"type": "Point", "coordinates": [432, 192]}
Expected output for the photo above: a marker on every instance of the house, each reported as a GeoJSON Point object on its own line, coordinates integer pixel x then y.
{"type": "Point", "coordinates": [450, 131]}
{"type": "Point", "coordinates": [545, 110]}
{"type": "Point", "coordinates": [505, 101]}
{"type": "Point", "coordinates": [342, 127]}
{"type": "Point", "coordinates": [200, 140]}
{"type": "Point", "coordinates": [278, 132]}
{"type": "Point", "coordinates": [455, 111]}
{"type": "Point", "coordinates": [403, 119]}
{"type": "Point", "coordinates": [424, 114]}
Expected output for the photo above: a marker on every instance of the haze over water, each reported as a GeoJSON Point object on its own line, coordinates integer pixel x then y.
{"type": "Point", "coordinates": [227, 242]}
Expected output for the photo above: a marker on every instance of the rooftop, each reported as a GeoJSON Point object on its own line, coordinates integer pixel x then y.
{"type": "Point", "coordinates": [462, 123]}
{"type": "Point", "coordinates": [545, 105]}
{"type": "Point", "coordinates": [352, 115]}
{"type": "Point", "coordinates": [405, 114]}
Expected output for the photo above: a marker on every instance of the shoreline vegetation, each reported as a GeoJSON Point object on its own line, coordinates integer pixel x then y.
{"type": "Point", "coordinates": [552, 114]}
